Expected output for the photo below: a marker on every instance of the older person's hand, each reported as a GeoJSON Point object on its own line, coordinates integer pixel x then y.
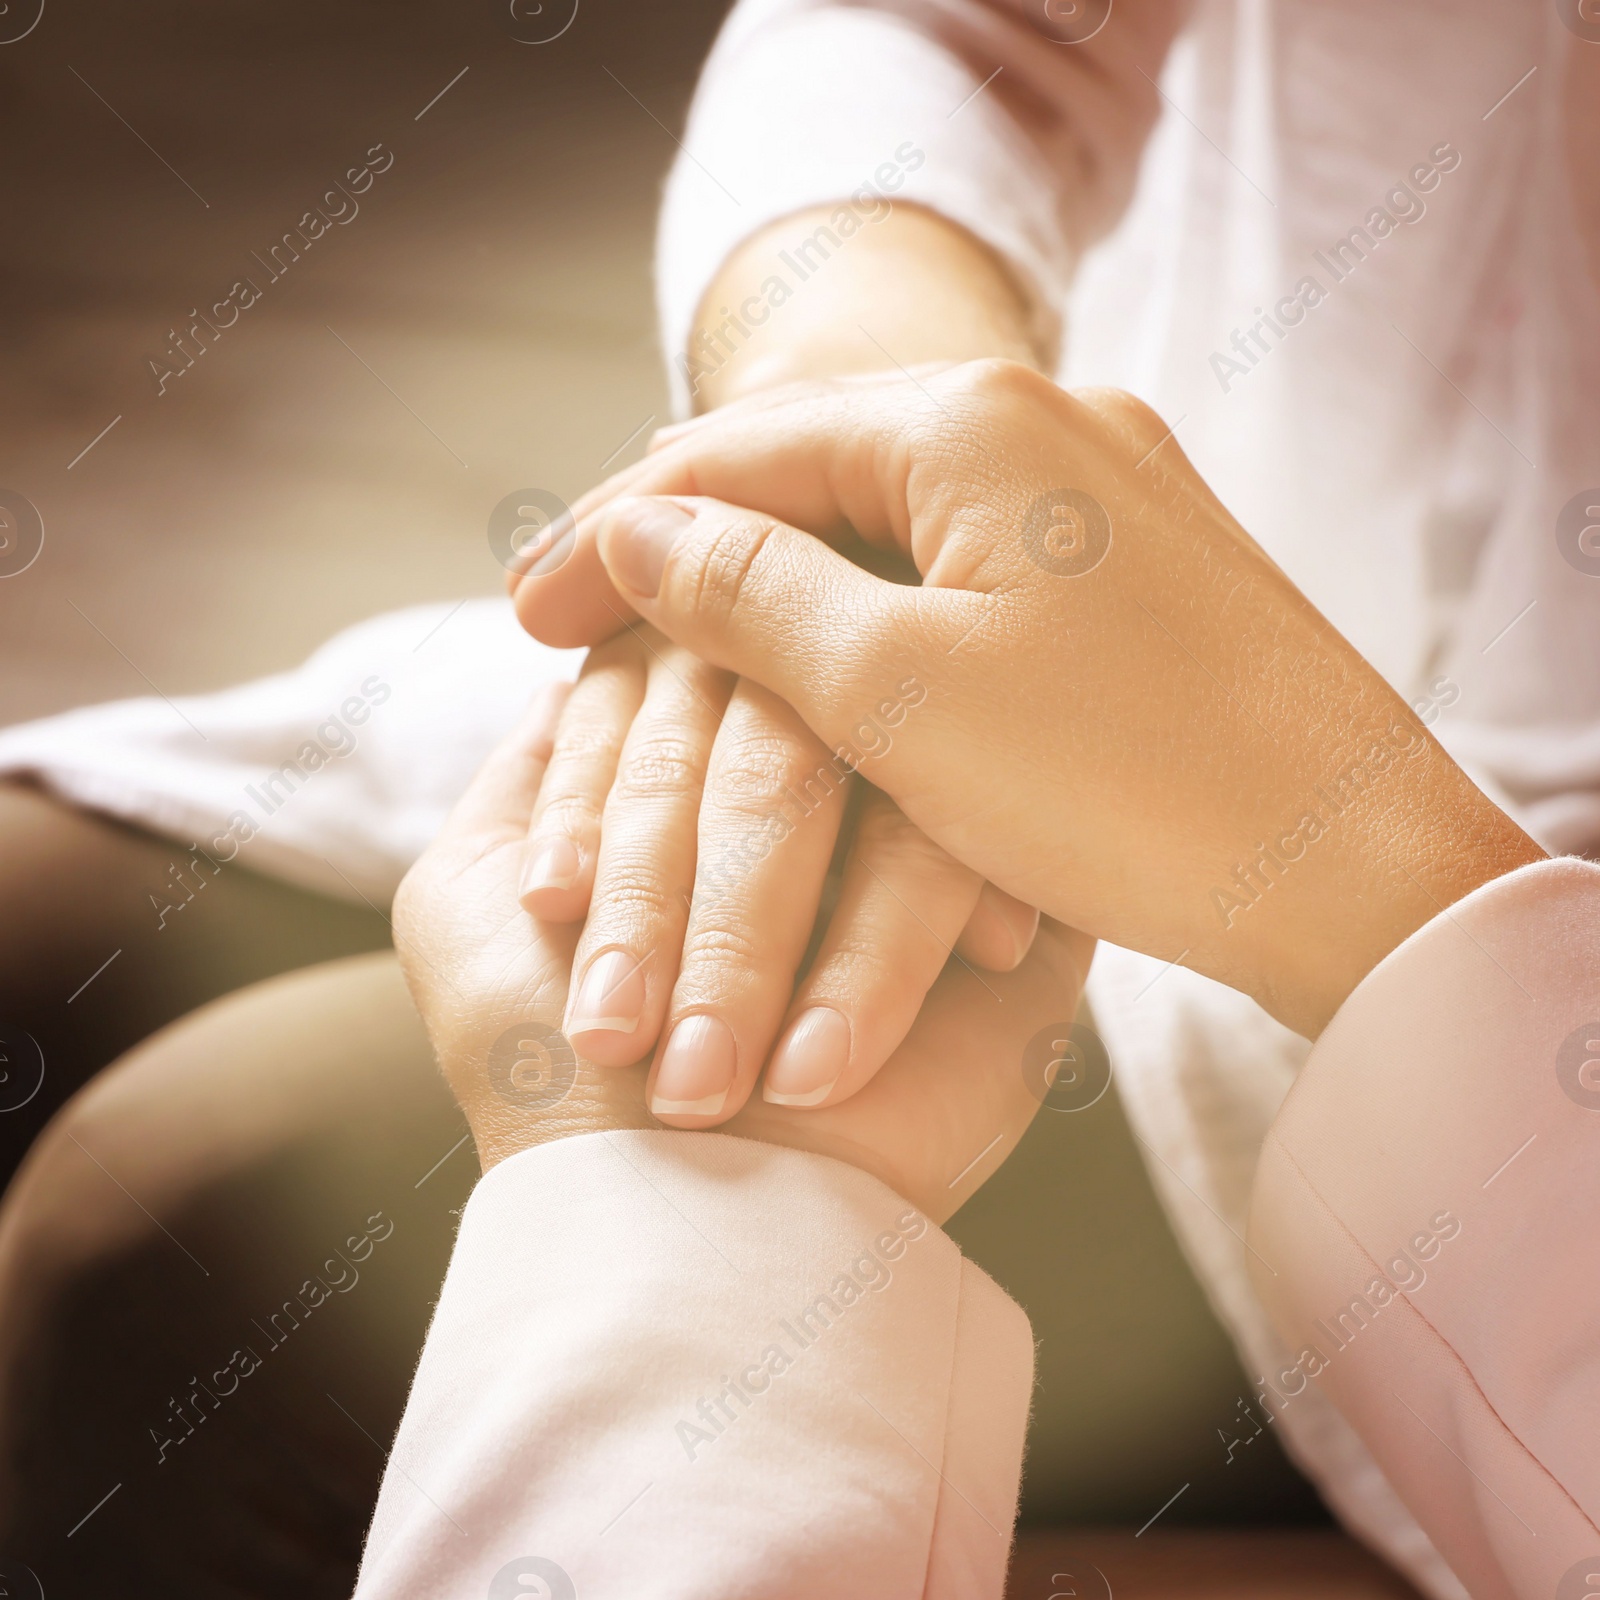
{"type": "Point", "coordinates": [668, 777]}
{"type": "Point", "coordinates": [1132, 718]}
{"type": "Point", "coordinates": [491, 984]}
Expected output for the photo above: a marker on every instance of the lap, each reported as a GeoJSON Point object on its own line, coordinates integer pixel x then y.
{"type": "Point", "coordinates": [218, 1265]}
{"type": "Point", "coordinates": [79, 891]}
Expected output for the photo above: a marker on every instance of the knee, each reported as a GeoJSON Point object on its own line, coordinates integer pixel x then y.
{"type": "Point", "coordinates": [63, 1213]}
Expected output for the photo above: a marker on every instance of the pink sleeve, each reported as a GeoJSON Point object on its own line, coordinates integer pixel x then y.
{"type": "Point", "coordinates": [695, 1367]}
{"type": "Point", "coordinates": [1427, 1217]}
{"type": "Point", "coordinates": [979, 109]}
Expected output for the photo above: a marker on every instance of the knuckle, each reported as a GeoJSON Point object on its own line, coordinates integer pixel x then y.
{"type": "Point", "coordinates": [855, 967]}
{"type": "Point", "coordinates": [1126, 412]}
{"type": "Point", "coordinates": [720, 955]}
{"type": "Point", "coordinates": [756, 767]}
{"type": "Point", "coordinates": [995, 380]}
{"type": "Point", "coordinates": [661, 767]}
{"type": "Point", "coordinates": [636, 895]}
{"type": "Point", "coordinates": [582, 742]}
{"type": "Point", "coordinates": [726, 557]}
{"type": "Point", "coordinates": [576, 813]}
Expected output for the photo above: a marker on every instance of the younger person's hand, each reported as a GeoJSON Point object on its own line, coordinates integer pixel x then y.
{"type": "Point", "coordinates": [693, 820]}
{"type": "Point", "coordinates": [1133, 718]}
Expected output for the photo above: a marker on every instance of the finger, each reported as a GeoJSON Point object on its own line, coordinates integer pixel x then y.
{"type": "Point", "coordinates": [788, 428]}
{"type": "Point", "coordinates": [564, 837]}
{"type": "Point", "coordinates": [901, 905]}
{"type": "Point", "coordinates": [778, 606]}
{"type": "Point", "coordinates": [628, 956]}
{"type": "Point", "coordinates": [774, 799]}
{"type": "Point", "coordinates": [801, 390]}
{"type": "Point", "coordinates": [504, 790]}
{"type": "Point", "coordinates": [846, 459]}
{"type": "Point", "coordinates": [569, 602]}
{"type": "Point", "coordinates": [953, 1101]}
{"type": "Point", "coordinates": [1000, 931]}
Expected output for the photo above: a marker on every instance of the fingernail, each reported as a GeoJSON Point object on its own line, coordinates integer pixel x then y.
{"type": "Point", "coordinates": [553, 864]}
{"type": "Point", "coordinates": [611, 997]}
{"type": "Point", "coordinates": [696, 1071]}
{"type": "Point", "coordinates": [809, 1060]}
{"type": "Point", "coordinates": [1024, 937]}
{"type": "Point", "coordinates": [638, 537]}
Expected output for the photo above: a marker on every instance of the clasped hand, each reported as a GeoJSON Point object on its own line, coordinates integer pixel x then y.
{"type": "Point", "coordinates": [1125, 712]}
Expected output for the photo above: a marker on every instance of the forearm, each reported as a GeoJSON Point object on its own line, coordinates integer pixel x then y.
{"type": "Point", "coordinates": [907, 288]}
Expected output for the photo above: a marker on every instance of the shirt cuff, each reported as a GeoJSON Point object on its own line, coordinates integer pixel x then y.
{"type": "Point", "coordinates": [694, 1365]}
{"type": "Point", "coordinates": [1423, 1228]}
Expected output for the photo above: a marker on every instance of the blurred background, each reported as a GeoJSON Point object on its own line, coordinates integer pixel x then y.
{"type": "Point", "coordinates": [483, 323]}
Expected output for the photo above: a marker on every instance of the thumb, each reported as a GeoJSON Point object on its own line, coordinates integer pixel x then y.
{"type": "Point", "coordinates": [774, 604]}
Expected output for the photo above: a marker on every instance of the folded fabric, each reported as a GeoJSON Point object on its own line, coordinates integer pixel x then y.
{"type": "Point", "coordinates": [334, 775]}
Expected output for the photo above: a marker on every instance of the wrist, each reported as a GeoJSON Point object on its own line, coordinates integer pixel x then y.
{"type": "Point", "coordinates": [801, 299]}
{"type": "Point", "coordinates": [521, 1086]}
{"type": "Point", "coordinates": [1392, 870]}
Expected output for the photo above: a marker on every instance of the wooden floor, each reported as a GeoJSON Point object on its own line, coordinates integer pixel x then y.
{"type": "Point", "coordinates": [1199, 1564]}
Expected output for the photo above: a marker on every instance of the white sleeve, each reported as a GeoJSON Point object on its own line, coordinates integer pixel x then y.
{"type": "Point", "coordinates": [804, 102]}
{"type": "Point", "coordinates": [690, 1365]}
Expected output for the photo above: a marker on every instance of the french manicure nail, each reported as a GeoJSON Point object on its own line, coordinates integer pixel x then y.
{"type": "Point", "coordinates": [638, 537]}
{"type": "Point", "coordinates": [809, 1060]}
{"type": "Point", "coordinates": [611, 997]}
{"type": "Point", "coordinates": [553, 864]}
{"type": "Point", "coordinates": [697, 1069]}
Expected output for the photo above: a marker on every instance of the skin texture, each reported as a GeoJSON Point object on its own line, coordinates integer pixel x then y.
{"type": "Point", "coordinates": [619, 825]}
{"type": "Point", "coordinates": [914, 288]}
{"type": "Point", "coordinates": [693, 820]}
{"type": "Point", "coordinates": [1115, 739]}
{"type": "Point", "coordinates": [491, 983]}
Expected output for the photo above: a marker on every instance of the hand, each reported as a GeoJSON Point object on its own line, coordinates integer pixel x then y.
{"type": "Point", "coordinates": [1133, 719]}
{"type": "Point", "coordinates": [667, 776]}
{"type": "Point", "coordinates": [929, 292]}
{"type": "Point", "coordinates": [491, 983]}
